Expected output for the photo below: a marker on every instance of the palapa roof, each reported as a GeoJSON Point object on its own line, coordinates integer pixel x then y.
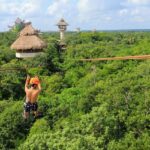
{"type": "Point", "coordinates": [28, 30]}
{"type": "Point", "coordinates": [26, 43]}
{"type": "Point", "coordinates": [62, 22]}
{"type": "Point", "coordinates": [28, 39]}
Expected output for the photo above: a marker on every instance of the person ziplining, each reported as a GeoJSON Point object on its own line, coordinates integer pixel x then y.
{"type": "Point", "coordinates": [32, 90]}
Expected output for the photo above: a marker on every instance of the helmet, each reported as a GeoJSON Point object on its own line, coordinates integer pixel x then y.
{"type": "Point", "coordinates": [34, 80]}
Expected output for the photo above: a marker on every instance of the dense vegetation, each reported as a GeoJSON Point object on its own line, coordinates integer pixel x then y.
{"type": "Point", "coordinates": [86, 105]}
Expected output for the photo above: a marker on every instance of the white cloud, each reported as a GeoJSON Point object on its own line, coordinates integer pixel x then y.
{"type": "Point", "coordinates": [90, 10]}
{"type": "Point", "coordinates": [24, 8]}
{"type": "Point", "coordinates": [141, 11]}
{"type": "Point", "coordinates": [139, 2]}
{"type": "Point", "coordinates": [108, 18]}
{"type": "Point", "coordinates": [59, 7]}
{"type": "Point", "coordinates": [87, 6]}
{"type": "Point", "coordinates": [135, 11]}
{"type": "Point", "coordinates": [100, 14]}
{"type": "Point", "coordinates": [66, 9]}
{"type": "Point", "coordinates": [123, 12]}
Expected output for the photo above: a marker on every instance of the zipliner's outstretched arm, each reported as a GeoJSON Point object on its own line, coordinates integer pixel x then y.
{"type": "Point", "coordinates": [26, 114]}
{"type": "Point", "coordinates": [27, 83]}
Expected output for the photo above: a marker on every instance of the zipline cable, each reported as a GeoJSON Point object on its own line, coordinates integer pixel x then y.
{"type": "Point", "coordinates": [140, 57]}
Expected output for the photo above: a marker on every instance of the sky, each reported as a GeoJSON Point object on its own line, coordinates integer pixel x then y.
{"type": "Point", "coordinates": [83, 14]}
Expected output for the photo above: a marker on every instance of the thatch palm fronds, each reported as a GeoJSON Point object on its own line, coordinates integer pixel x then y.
{"type": "Point", "coordinates": [26, 43]}
{"type": "Point", "coordinates": [28, 40]}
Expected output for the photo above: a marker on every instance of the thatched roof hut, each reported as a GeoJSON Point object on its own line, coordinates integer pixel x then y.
{"type": "Point", "coordinates": [29, 30]}
{"type": "Point", "coordinates": [28, 43]}
{"type": "Point", "coordinates": [24, 43]}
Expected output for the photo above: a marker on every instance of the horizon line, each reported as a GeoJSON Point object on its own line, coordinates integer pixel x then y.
{"type": "Point", "coordinates": [92, 30]}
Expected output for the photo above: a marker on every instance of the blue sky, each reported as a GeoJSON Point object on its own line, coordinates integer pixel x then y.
{"type": "Point", "coordinates": [86, 14]}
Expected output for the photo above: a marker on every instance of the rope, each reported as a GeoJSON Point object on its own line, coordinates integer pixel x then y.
{"type": "Point", "coordinates": [140, 57]}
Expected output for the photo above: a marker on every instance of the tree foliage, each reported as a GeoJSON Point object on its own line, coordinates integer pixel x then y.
{"type": "Point", "coordinates": [86, 105]}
